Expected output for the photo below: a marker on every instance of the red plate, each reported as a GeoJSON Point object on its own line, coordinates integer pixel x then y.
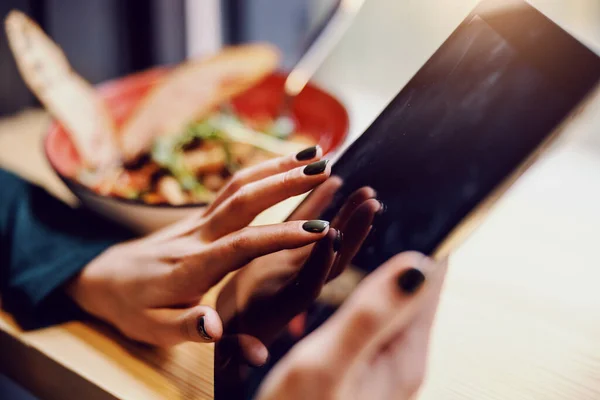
{"type": "Point", "coordinates": [317, 113]}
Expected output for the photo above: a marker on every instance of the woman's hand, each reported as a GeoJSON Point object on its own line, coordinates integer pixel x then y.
{"type": "Point", "coordinates": [375, 346]}
{"type": "Point", "coordinates": [260, 300]}
{"type": "Point", "coordinates": [150, 288]}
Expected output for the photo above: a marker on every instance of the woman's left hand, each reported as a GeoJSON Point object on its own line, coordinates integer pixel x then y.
{"type": "Point", "coordinates": [150, 288]}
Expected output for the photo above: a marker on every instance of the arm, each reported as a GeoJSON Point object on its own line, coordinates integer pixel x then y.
{"type": "Point", "coordinates": [43, 244]}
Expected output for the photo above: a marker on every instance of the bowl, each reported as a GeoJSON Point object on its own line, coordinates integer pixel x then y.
{"type": "Point", "coordinates": [316, 112]}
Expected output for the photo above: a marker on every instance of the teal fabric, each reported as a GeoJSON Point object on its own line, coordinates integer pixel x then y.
{"type": "Point", "coordinates": [43, 244]}
{"type": "Point", "coordinates": [10, 390]}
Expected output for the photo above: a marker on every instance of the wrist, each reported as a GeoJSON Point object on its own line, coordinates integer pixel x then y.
{"type": "Point", "coordinates": [90, 290]}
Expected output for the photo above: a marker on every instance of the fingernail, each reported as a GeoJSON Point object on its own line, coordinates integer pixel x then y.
{"type": "Point", "coordinates": [379, 215]}
{"type": "Point", "coordinates": [315, 168]}
{"type": "Point", "coordinates": [315, 226]}
{"type": "Point", "coordinates": [202, 329]}
{"type": "Point", "coordinates": [307, 154]}
{"type": "Point", "coordinates": [411, 280]}
{"type": "Point", "coordinates": [337, 242]}
{"type": "Point", "coordinates": [264, 355]}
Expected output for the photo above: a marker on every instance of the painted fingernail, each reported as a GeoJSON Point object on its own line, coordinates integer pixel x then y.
{"type": "Point", "coordinates": [337, 242]}
{"type": "Point", "coordinates": [411, 280]}
{"type": "Point", "coordinates": [315, 168]}
{"type": "Point", "coordinates": [307, 154]}
{"type": "Point", "coordinates": [315, 226]}
{"type": "Point", "coordinates": [202, 329]}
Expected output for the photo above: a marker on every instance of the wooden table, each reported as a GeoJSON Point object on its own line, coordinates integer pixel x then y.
{"type": "Point", "coordinates": [519, 318]}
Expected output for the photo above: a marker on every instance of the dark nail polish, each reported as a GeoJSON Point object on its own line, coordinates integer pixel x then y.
{"type": "Point", "coordinates": [202, 329]}
{"type": "Point", "coordinates": [315, 226]}
{"type": "Point", "coordinates": [411, 280]}
{"type": "Point", "coordinates": [337, 242]}
{"type": "Point", "coordinates": [315, 168]}
{"type": "Point", "coordinates": [307, 154]}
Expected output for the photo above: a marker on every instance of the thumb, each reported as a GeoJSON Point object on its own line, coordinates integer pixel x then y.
{"type": "Point", "coordinates": [168, 326]}
{"type": "Point", "coordinates": [384, 304]}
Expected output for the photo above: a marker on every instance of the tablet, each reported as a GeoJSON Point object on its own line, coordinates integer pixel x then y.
{"type": "Point", "coordinates": [470, 121]}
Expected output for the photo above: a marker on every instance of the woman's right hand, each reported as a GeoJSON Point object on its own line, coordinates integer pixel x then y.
{"type": "Point", "coordinates": [150, 288]}
{"type": "Point", "coordinates": [375, 346]}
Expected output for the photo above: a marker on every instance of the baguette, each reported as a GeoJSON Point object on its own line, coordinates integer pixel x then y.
{"type": "Point", "coordinates": [67, 96]}
{"type": "Point", "coordinates": [192, 90]}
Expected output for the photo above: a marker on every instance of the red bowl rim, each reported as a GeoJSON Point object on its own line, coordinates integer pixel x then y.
{"type": "Point", "coordinates": [108, 89]}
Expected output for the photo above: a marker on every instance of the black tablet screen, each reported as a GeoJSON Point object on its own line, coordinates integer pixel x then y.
{"type": "Point", "coordinates": [467, 120]}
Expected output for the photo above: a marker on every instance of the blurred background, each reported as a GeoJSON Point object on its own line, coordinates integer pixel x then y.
{"type": "Point", "coordinates": [548, 222]}
{"type": "Point", "coordinates": [386, 45]}
{"type": "Point", "coordinates": [105, 39]}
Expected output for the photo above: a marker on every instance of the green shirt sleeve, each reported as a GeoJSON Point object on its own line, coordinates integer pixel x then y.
{"type": "Point", "coordinates": [43, 244]}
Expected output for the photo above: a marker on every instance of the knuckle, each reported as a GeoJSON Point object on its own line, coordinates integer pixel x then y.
{"type": "Point", "coordinates": [186, 327]}
{"type": "Point", "coordinates": [296, 175]}
{"type": "Point", "coordinates": [239, 200]}
{"type": "Point", "coordinates": [241, 241]}
{"type": "Point", "coordinates": [365, 319]}
{"type": "Point", "coordinates": [176, 278]}
{"type": "Point", "coordinates": [140, 330]}
{"type": "Point", "coordinates": [286, 165]}
{"type": "Point", "coordinates": [288, 178]}
{"type": "Point", "coordinates": [164, 340]}
{"type": "Point", "coordinates": [311, 371]}
{"type": "Point", "coordinates": [237, 181]}
{"type": "Point", "coordinates": [147, 330]}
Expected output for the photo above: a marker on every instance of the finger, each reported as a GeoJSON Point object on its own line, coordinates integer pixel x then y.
{"type": "Point", "coordinates": [420, 328]}
{"type": "Point", "coordinates": [417, 335]}
{"type": "Point", "coordinates": [232, 352]}
{"type": "Point", "coordinates": [253, 350]}
{"type": "Point", "coordinates": [237, 249]}
{"type": "Point", "coordinates": [318, 200]}
{"type": "Point", "coordinates": [354, 233]}
{"type": "Point", "coordinates": [409, 347]}
{"type": "Point", "coordinates": [312, 207]}
{"type": "Point", "coordinates": [309, 281]}
{"type": "Point", "coordinates": [354, 201]}
{"type": "Point", "coordinates": [266, 169]}
{"type": "Point", "coordinates": [297, 294]}
{"type": "Point", "coordinates": [432, 297]}
{"type": "Point", "coordinates": [240, 209]}
{"type": "Point", "coordinates": [297, 325]}
{"type": "Point", "coordinates": [170, 326]}
{"type": "Point", "coordinates": [384, 304]}
{"type": "Point", "coordinates": [177, 229]}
